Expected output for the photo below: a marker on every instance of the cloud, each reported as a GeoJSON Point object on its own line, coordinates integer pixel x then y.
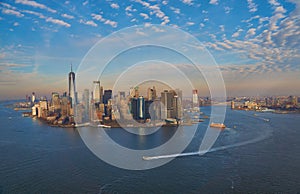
{"type": "Point", "coordinates": [237, 33]}
{"type": "Point", "coordinates": [40, 15]}
{"type": "Point", "coordinates": [58, 22]}
{"type": "Point", "coordinates": [105, 21]}
{"type": "Point", "coordinates": [274, 2]}
{"type": "Point", "coordinates": [111, 23]}
{"type": "Point", "coordinates": [36, 5]}
{"type": "Point", "coordinates": [67, 16]}
{"type": "Point", "coordinates": [129, 9]}
{"type": "Point", "coordinates": [222, 28]}
{"type": "Point", "coordinates": [280, 9]}
{"type": "Point", "coordinates": [227, 9]}
{"type": "Point", "coordinates": [187, 2]}
{"type": "Point", "coordinates": [213, 2]}
{"type": "Point", "coordinates": [114, 6]}
{"type": "Point", "coordinates": [224, 45]}
{"type": "Point", "coordinates": [155, 10]}
{"type": "Point", "coordinates": [144, 15]}
{"type": "Point", "coordinates": [252, 6]}
{"type": "Point", "coordinates": [85, 3]}
{"type": "Point", "coordinates": [175, 10]}
{"type": "Point", "coordinates": [90, 23]}
{"type": "Point", "coordinates": [190, 23]}
{"type": "Point", "coordinates": [12, 12]}
{"type": "Point", "coordinates": [251, 32]}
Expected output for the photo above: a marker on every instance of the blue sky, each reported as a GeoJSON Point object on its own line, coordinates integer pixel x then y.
{"type": "Point", "coordinates": [255, 42]}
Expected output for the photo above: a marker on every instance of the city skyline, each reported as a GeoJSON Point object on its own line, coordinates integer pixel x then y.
{"type": "Point", "coordinates": [255, 43]}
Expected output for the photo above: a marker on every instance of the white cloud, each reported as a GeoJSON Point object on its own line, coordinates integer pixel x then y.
{"type": "Point", "coordinates": [58, 22]}
{"type": "Point", "coordinates": [227, 9]}
{"type": "Point", "coordinates": [188, 2]}
{"type": "Point", "coordinates": [90, 23]}
{"type": "Point", "coordinates": [35, 4]}
{"type": "Point", "coordinates": [16, 24]}
{"type": "Point", "coordinates": [224, 45]}
{"type": "Point", "coordinates": [144, 15]}
{"type": "Point", "coordinates": [105, 21]}
{"type": "Point", "coordinates": [222, 28]}
{"type": "Point", "coordinates": [114, 6]}
{"type": "Point", "coordinates": [252, 6]}
{"type": "Point", "coordinates": [175, 10]}
{"type": "Point", "coordinates": [111, 23]}
{"type": "Point", "coordinates": [274, 2]}
{"type": "Point", "coordinates": [190, 23]}
{"type": "Point", "coordinates": [155, 9]}
{"type": "Point", "coordinates": [85, 3]}
{"type": "Point", "coordinates": [251, 32]}
{"type": "Point", "coordinates": [34, 13]}
{"type": "Point", "coordinates": [12, 12]}
{"type": "Point", "coordinates": [280, 9]}
{"type": "Point", "coordinates": [67, 16]}
{"type": "Point", "coordinates": [213, 2]}
{"type": "Point", "coordinates": [237, 33]}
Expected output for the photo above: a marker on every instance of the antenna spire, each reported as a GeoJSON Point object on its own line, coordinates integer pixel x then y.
{"type": "Point", "coordinates": [71, 68]}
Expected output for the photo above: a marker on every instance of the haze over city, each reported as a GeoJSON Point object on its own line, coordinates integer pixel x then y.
{"type": "Point", "coordinates": [255, 43]}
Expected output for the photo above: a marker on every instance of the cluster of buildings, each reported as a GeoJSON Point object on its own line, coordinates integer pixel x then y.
{"type": "Point", "coordinates": [279, 103]}
{"type": "Point", "coordinates": [103, 106]}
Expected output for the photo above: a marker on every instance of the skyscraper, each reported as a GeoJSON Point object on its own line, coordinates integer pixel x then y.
{"type": "Point", "coordinates": [167, 98]}
{"type": "Point", "coordinates": [141, 107]}
{"type": "Point", "coordinates": [72, 90]}
{"type": "Point", "coordinates": [107, 96]}
{"type": "Point", "coordinates": [97, 92]}
{"type": "Point", "coordinates": [86, 104]}
{"type": "Point", "coordinates": [195, 98]}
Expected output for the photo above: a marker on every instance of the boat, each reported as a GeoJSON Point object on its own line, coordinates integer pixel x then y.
{"type": "Point", "coordinates": [82, 125]}
{"type": "Point", "coordinates": [26, 114]}
{"type": "Point", "coordinates": [104, 126]}
{"type": "Point", "coordinates": [218, 125]}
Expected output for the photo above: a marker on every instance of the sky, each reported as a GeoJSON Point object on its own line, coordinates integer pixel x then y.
{"type": "Point", "coordinates": [256, 43]}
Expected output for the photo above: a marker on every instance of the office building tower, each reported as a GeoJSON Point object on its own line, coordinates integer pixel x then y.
{"type": "Point", "coordinates": [232, 104]}
{"type": "Point", "coordinates": [72, 88]}
{"type": "Point", "coordinates": [33, 98]}
{"type": "Point", "coordinates": [86, 104]}
{"type": "Point", "coordinates": [134, 108]}
{"type": "Point", "coordinates": [97, 92]}
{"type": "Point", "coordinates": [179, 93]}
{"type": "Point", "coordinates": [131, 92]}
{"type": "Point", "coordinates": [177, 108]}
{"type": "Point", "coordinates": [141, 107]}
{"type": "Point", "coordinates": [167, 98]}
{"type": "Point", "coordinates": [136, 92]}
{"type": "Point", "coordinates": [55, 102]}
{"type": "Point", "coordinates": [107, 95]}
{"type": "Point", "coordinates": [195, 98]}
{"type": "Point", "coordinates": [148, 110]}
{"type": "Point", "coordinates": [151, 93]}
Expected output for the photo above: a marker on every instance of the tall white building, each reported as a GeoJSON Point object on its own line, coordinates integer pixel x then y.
{"type": "Point", "coordinates": [97, 92]}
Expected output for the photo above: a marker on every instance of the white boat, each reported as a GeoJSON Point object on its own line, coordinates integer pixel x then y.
{"type": "Point", "coordinates": [82, 124]}
{"type": "Point", "coordinates": [218, 125]}
{"type": "Point", "coordinates": [104, 126]}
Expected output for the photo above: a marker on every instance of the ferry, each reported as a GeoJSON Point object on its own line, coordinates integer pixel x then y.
{"type": "Point", "coordinates": [82, 125]}
{"type": "Point", "coordinates": [104, 126]}
{"type": "Point", "coordinates": [218, 125]}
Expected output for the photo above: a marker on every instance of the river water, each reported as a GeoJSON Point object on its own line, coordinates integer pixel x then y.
{"type": "Point", "coordinates": [250, 155]}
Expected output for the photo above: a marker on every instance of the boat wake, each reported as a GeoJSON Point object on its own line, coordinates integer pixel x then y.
{"type": "Point", "coordinates": [201, 152]}
{"type": "Point", "coordinates": [266, 135]}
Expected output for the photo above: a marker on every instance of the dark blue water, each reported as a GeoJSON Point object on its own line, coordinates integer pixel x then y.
{"type": "Point", "coordinates": [36, 158]}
